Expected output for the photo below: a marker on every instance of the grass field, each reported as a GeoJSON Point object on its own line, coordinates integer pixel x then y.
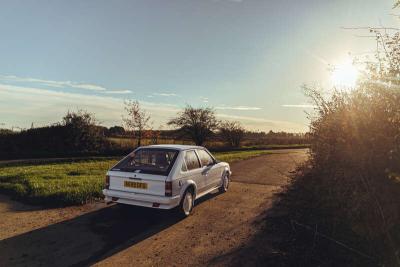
{"type": "Point", "coordinates": [129, 143]}
{"type": "Point", "coordinates": [71, 182]}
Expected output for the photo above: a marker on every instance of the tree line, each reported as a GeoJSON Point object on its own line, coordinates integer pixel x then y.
{"type": "Point", "coordinates": [199, 124]}
{"type": "Point", "coordinates": [79, 133]}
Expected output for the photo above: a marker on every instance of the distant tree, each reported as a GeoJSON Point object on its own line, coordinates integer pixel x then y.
{"type": "Point", "coordinates": [116, 131]}
{"type": "Point", "coordinates": [79, 118]}
{"type": "Point", "coordinates": [137, 120]}
{"type": "Point", "coordinates": [197, 123]}
{"type": "Point", "coordinates": [83, 132]}
{"type": "Point", "coordinates": [232, 132]}
{"type": "Point", "coordinates": [5, 131]}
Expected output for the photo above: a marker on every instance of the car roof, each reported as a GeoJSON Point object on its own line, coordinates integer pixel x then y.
{"type": "Point", "coordinates": [173, 146]}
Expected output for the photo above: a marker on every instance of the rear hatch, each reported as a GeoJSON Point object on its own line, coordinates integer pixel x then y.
{"type": "Point", "coordinates": [144, 171]}
{"type": "Point", "coordinates": [151, 184]}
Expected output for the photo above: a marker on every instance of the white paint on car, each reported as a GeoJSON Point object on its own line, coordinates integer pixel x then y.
{"type": "Point", "coordinates": [145, 176]}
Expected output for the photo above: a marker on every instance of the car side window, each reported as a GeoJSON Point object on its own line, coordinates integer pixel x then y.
{"type": "Point", "coordinates": [205, 158]}
{"type": "Point", "coordinates": [192, 161]}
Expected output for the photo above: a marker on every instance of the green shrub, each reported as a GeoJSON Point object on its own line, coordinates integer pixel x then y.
{"type": "Point", "coordinates": [77, 135]}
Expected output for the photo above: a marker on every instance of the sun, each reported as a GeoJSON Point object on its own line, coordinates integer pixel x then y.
{"type": "Point", "coordinates": [345, 75]}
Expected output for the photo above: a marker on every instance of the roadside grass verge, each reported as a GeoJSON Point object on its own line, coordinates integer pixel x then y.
{"type": "Point", "coordinates": [233, 156]}
{"type": "Point", "coordinates": [70, 182]}
{"type": "Point", "coordinates": [55, 184]}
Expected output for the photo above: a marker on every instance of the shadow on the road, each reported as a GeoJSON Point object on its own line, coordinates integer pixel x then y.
{"type": "Point", "coordinates": [88, 238]}
{"type": "Point", "coordinates": [291, 233]}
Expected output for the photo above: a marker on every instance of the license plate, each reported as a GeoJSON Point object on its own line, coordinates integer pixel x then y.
{"type": "Point", "coordinates": [135, 185]}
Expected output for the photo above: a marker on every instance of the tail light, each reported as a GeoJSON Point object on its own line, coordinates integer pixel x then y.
{"type": "Point", "coordinates": [107, 182]}
{"type": "Point", "coordinates": [168, 189]}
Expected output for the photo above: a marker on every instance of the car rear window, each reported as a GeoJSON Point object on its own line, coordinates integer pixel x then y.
{"type": "Point", "coordinates": [148, 160]}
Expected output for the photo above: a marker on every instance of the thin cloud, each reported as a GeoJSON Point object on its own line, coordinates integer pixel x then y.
{"type": "Point", "coordinates": [298, 106]}
{"type": "Point", "coordinates": [68, 95]}
{"type": "Point", "coordinates": [266, 124]}
{"type": "Point", "coordinates": [51, 83]}
{"type": "Point", "coordinates": [87, 86]}
{"type": "Point", "coordinates": [238, 108]}
{"type": "Point", "coordinates": [46, 106]}
{"type": "Point", "coordinates": [164, 94]}
{"type": "Point", "coordinates": [118, 92]}
{"type": "Point", "coordinates": [204, 99]}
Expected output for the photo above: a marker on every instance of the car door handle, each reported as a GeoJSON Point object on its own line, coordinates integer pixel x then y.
{"type": "Point", "coordinates": [205, 171]}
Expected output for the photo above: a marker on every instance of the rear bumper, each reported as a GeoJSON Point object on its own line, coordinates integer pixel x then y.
{"type": "Point", "coordinates": [140, 199]}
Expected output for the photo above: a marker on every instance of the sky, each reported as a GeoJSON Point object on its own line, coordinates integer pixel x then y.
{"type": "Point", "coordinates": [246, 59]}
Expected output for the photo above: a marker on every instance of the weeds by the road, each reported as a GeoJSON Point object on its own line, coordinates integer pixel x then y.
{"type": "Point", "coordinates": [70, 182]}
{"type": "Point", "coordinates": [55, 183]}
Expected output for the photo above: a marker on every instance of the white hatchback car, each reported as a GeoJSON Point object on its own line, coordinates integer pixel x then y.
{"type": "Point", "coordinates": [165, 177]}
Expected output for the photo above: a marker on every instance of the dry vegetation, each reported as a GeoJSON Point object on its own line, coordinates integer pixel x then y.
{"type": "Point", "coordinates": [343, 207]}
{"type": "Point", "coordinates": [353, 178]}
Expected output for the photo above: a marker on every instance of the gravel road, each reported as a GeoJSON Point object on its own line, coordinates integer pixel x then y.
{"type": "Point", "coordinates": [96, 234]}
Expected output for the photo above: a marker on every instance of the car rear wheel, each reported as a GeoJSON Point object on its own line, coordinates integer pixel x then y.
{"type": "Point", "coordinates": [187, 203]}
{"type": "Point", "coordinates": [225, 183]}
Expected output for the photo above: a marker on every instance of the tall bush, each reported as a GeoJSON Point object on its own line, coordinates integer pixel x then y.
{"type": "Point", "coordinates": [77, 134]}
{"type": "Point", "coordinates": [355, 149]}
{"type": "Point", "coordinates": [82, 132]}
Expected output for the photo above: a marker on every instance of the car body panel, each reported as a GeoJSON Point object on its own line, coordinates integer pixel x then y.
{"type": "Point", "coordinates": [155, 183]}
{"type": "Point", "coordinates": [203, 180]}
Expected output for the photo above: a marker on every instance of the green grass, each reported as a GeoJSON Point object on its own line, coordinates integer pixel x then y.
{"type": "Point", "coordinates": [55, 184]}
{"type": "Point", "coordinates": [70, 183]}
{"type": "Point", "coordinates": [233, 156]}
{"type": "Point", "coordinates": [277, 146]}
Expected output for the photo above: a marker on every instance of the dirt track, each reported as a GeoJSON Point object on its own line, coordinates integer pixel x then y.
{"type": "Point", "coordinates": [115, 236]}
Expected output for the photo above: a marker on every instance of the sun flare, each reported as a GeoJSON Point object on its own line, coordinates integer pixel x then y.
{"type": "Point", "coordinates": [345, 75]}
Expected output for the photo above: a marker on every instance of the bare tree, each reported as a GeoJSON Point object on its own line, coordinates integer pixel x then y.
{"type": "Point", "coordinates": [232, 132]}
{"type": "Point", "coordinates": [137, 120]}
{"type": "Point", "coordinates": [197, 123]}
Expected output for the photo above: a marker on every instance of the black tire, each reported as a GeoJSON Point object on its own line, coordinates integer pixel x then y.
{"type": "Point", "coordinates": [187, 203]}
{"type": "Point", "coordinates": [225, 183]}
